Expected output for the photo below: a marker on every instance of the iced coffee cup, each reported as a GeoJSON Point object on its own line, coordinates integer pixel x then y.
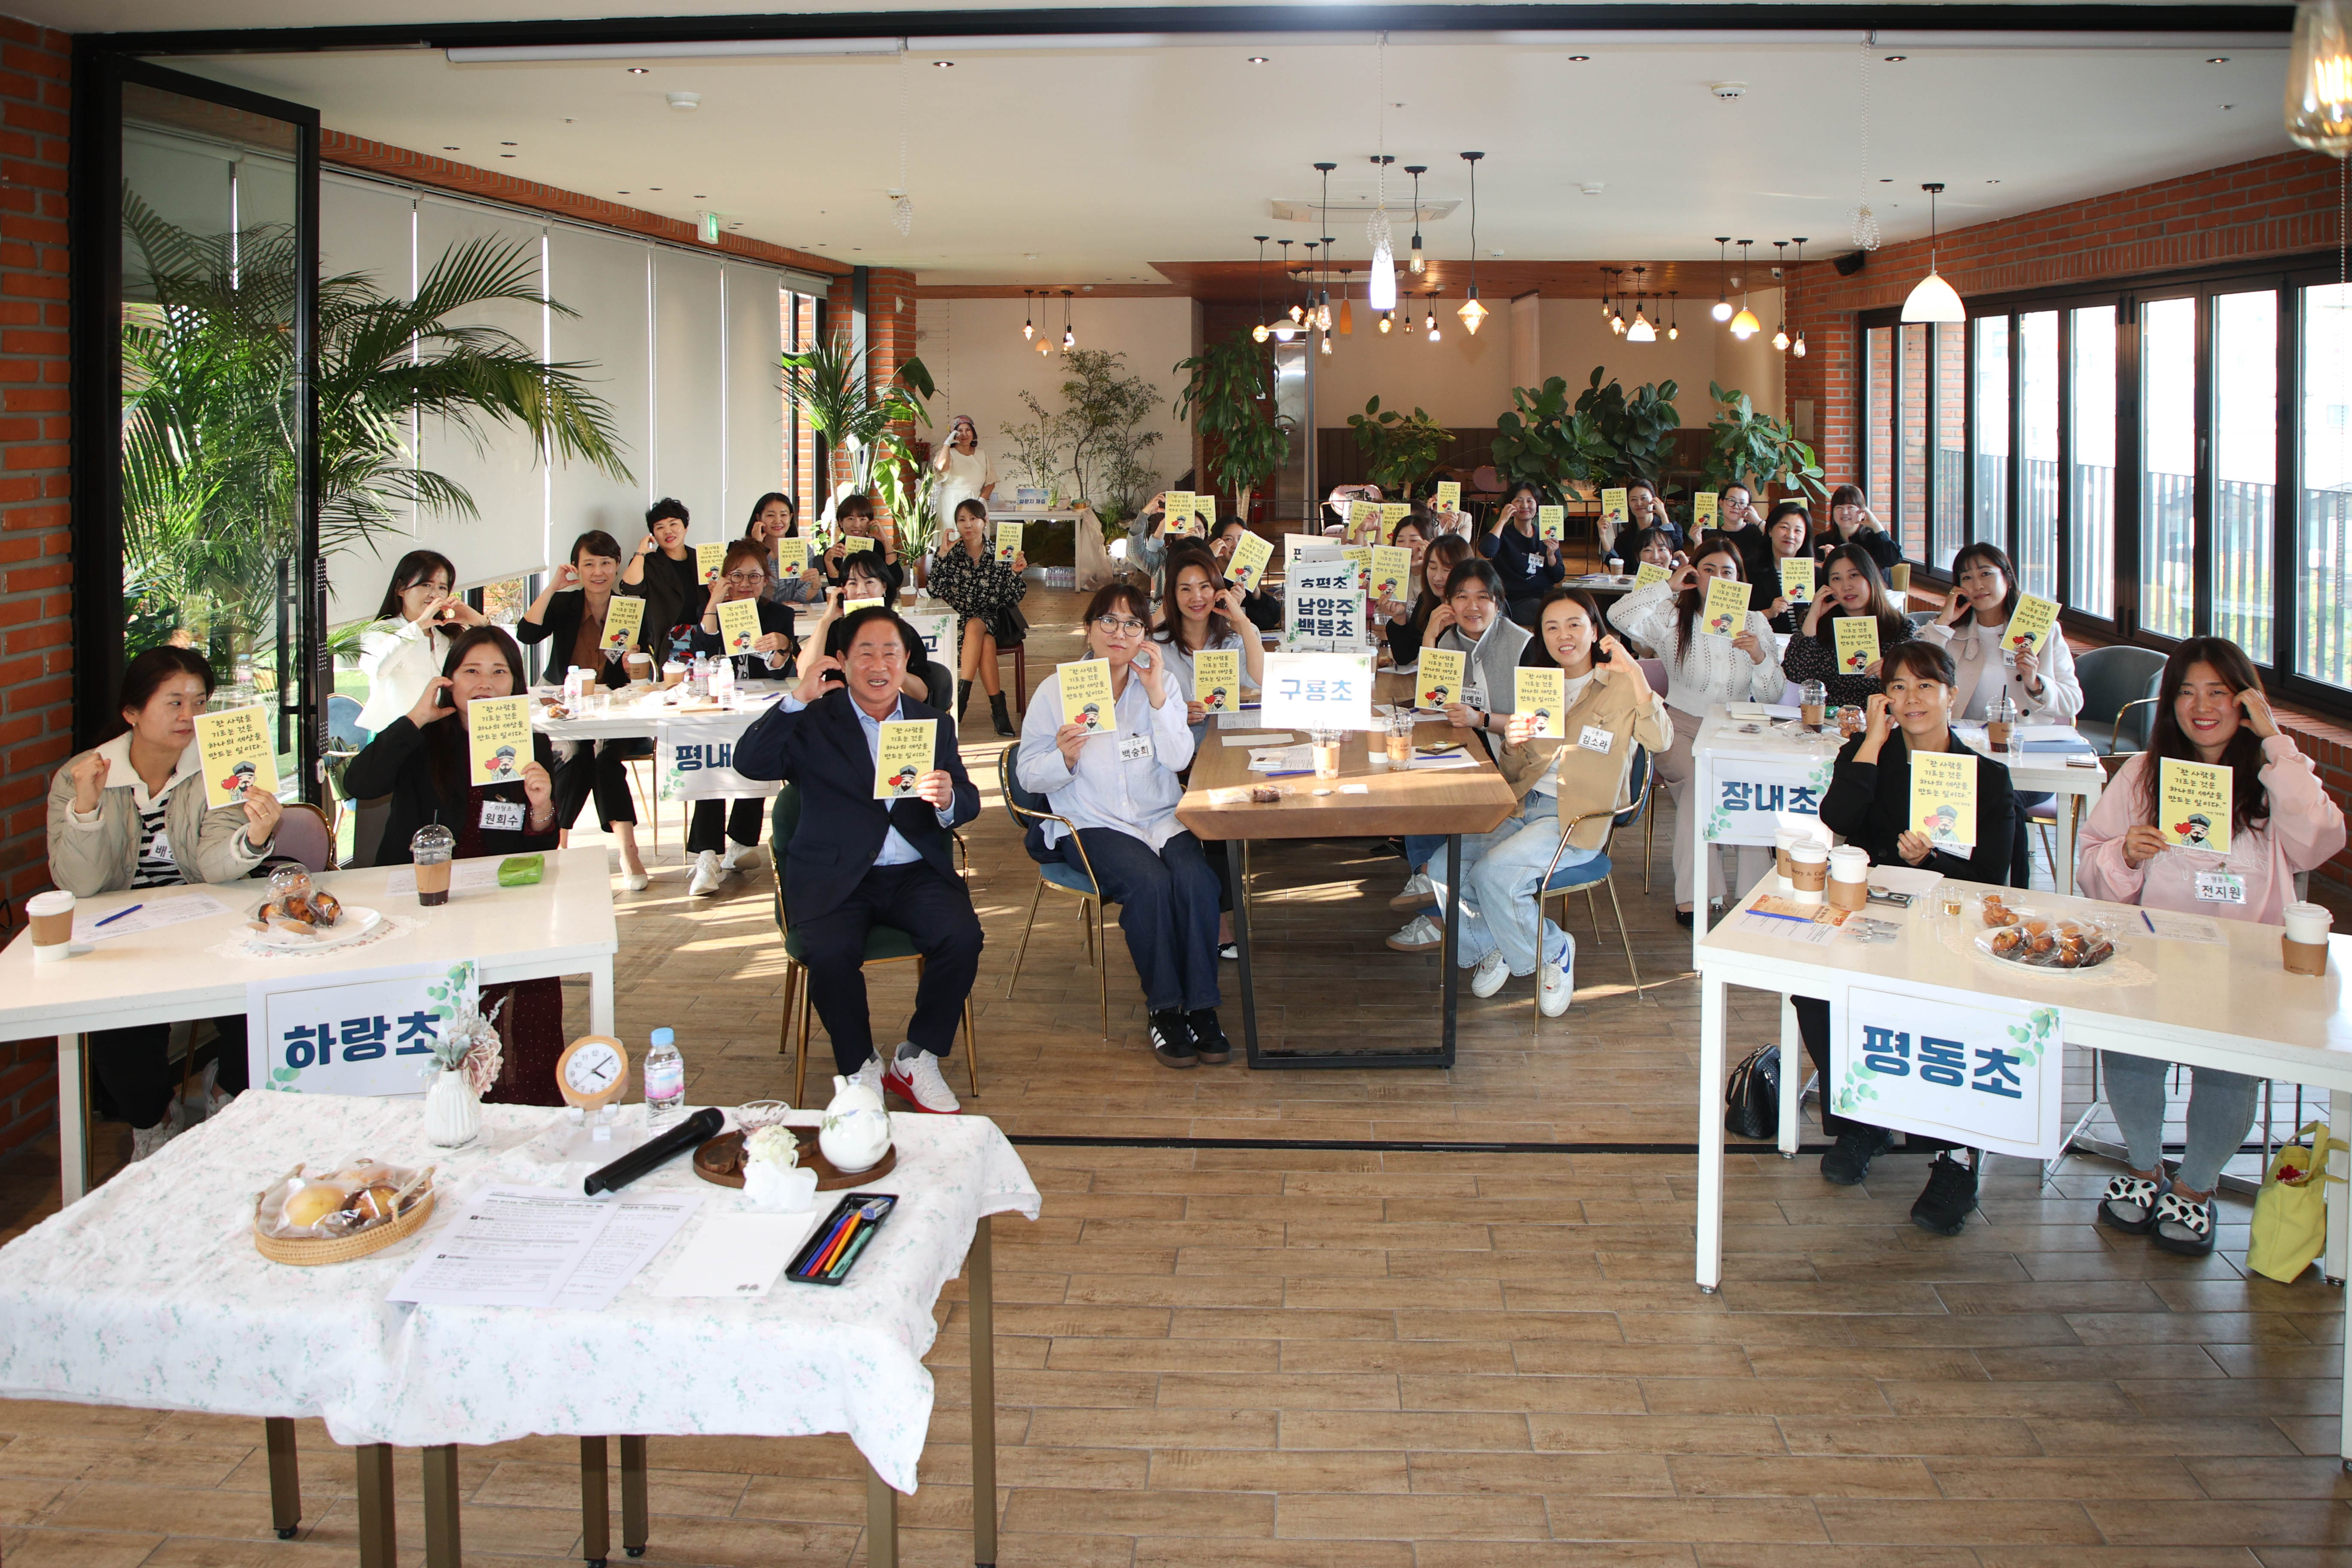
{"type": "Point", "coordinates": [433, 848]}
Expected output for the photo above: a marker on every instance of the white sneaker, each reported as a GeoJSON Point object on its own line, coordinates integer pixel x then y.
{"type": "Point", "coordinates": [917, 1081]}
{"type": "Point", "coordinates": [740, 857]}
{"type": "Point", "coordinates": [707, 875]}
{"type": "Point", "coordinates": [1424, 935]}
{"type": "Point", "coordinates": [146, 1141]}
{"type": "Point", "coordinates": [1418, 893]}
{"type": "Point", "coordinates": [1488, 977]}
{"type": "Point", "coordinates": [871, 1075]}
{"type": "Point", "coordinates": [1555, 990]}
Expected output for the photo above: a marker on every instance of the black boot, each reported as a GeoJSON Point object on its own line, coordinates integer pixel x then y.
{"type": "Point", "coordinates": [1003, 719]}
{"type": "Point", "coordinates": [963, 701]}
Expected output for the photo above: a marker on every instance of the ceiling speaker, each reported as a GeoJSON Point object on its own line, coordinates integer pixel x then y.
{"type": "Point", "coordinates": [1851, 262]}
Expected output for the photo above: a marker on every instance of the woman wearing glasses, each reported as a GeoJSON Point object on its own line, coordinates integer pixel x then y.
{"type": "Point", "coordinates": [1118, 784]}
{"type": "Point", "coordinates": [722, 837]}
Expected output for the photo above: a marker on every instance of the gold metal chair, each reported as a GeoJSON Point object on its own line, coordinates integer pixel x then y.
{"type": "Point", "coordinates": [1026, 807]}
{"type": "Point", "coordinates": [1588, 874]}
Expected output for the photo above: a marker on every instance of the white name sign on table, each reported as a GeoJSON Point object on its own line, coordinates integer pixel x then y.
{"type": "Point", "coordinates": [1748, 794]}
{"type": "Point", "coordinates": [1317, 691]}
{"type": "Point", "coordinates": [367, 1033]}
{"type": "Point", "coordinates": [1982, 1072]}
{"type": "Point", "coordinates": [701, 766]}
{"type": "Point", "coordinates": [937, 628]}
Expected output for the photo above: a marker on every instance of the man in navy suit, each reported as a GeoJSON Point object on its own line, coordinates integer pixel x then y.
{"type": "Point", "coordinates": [856, 862]}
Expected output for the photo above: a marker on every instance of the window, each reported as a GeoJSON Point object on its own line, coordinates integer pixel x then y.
{"type": "Point", "coordinates": [2091, 484]}
{"type": "Point", "coordinates": [1878, 394]}
{"type": "Point", "coordinates": [1909, 516]}
{"type": "Point", "coordinates": [2245, 469]}
{"type": "Point", "coordinates": [2036, 552]}
{"type": "Point", "coordinates": [2167, 479]}
{"type": "Point", "coordinates": [2324, 526]}
{"type": "Point", "coordinates": [1991, 424]}
{"type": "Point", "coordinates": [1948, 525]}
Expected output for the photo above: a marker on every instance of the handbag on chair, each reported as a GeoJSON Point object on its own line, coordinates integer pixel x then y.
{"type": "Point", "coordinates": [1751, 1096]}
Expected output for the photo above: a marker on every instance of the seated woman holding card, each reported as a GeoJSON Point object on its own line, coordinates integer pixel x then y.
{"type": "Point", "coordinates": [1644, 509]}
{"type": "Point", "coordinates": [722, 835]}
{"type": "Point", "coordinates": [1264, 610]}
{"type": "Point", "coordinates": [423, 760]}
{"type": "Point", "coordinates": [2209, 711]}
{"type": "Point", "coordinates": [1119, 784]}
{"type": "Point", "coordinates": [1787, 536]}
{"type": "Point", "coordinates": [1608, 709]}
{"type": "Point", "coordinates": [1529, 566]}
{"type": "Point", "coordinates": [1406, 633]}
{"type": "Point", "coordinates": [1199, 613]}
{"type": "Point", "coordinates": [1851, 586]}
{"type": "Point", "coordinates": [1852, 522]}
{"type": "Point", "coordinates": [854, 518]}
{"type": "Point", "coordinates": [1702, 670]}
{"type": "Point", "coordinates": [570, 614]}
{"type": "Point", "coordinates": [420, 617]}
{"type": "Point", "coordinates": [776, 516]}
{"type": "Point", "coordinates": [131, 813]}
{"type": "Point", "coordinates": [1869, 803]}
{"type": "Point", "coordinates": [1411, 534]}
{"type": "Point", "coordinates": [986, 597]}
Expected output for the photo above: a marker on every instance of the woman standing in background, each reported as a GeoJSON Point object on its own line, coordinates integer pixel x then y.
{"type": "Point", "coordinates": [965, 472]}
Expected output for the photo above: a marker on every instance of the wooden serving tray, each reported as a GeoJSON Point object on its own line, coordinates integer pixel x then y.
{"type": "Point", "coordinates": [721, 1161]}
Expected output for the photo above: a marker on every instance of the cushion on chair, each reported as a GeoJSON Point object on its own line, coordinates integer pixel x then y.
{"type": "Point", "coordinates": [1064, 875]}
{"type": "Point", "coordinates": [1585, 874]}
{"type": "Point", "coordinates": [882, 944]}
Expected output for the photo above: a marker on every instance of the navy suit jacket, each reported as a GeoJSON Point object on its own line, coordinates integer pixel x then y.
{"type": "Point", "coordinates": [822, 749]}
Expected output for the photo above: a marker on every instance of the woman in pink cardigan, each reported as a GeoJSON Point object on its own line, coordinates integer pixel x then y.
{"type": "Point", "coordinates": [2209, 708]}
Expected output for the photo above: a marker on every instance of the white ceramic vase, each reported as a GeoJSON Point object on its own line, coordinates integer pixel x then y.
{"type": "Point", "coordinates": [453, 1113]}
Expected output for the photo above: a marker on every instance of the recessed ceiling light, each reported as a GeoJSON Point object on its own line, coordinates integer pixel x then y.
{"type": "Point", "coordinates": [1993, 182]}
{"type": "Point", "coordinates": [620, 193]}
{"type": "Point", "coordinates": [449, 149]}
{"type": "Point", "coordinates": [1885, 182]}
{"type": "Point", "coordinates": [653, 187]}
{"type": "Point", "coordinates": [639, 70]}
{"type": "Point", "coordinates": [944, 64]}
{"type": "Point", "coordinates": [700, 197]}
{"type": "Point", "coordinates": [1896, 60]}
{"type": "Point", "coordinates": [2218, 60]}
{"type": "Point", "coordinates": [1580, 58]}
{"type": "Point", "coordinates": [506, 155]}
{"type": "Point", "coordinates": [1257, 59]}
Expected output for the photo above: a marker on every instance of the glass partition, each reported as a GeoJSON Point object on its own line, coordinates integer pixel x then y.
{"type": "Point", "coordinates": [2324, 534]}
{"type": "Point", "coordinates": [2245, 469]}
{"type": "Point", "coordinates": [2037, 454]}
{"type": "Point", "coordinates": [2091, 544]}
{"type": "Point", "coordinates": [1992, 520]}
{"type": "Point", "coordinates": [2167, 444]}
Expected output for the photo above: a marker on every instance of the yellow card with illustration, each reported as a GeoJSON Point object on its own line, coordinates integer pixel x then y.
{"type": "Point", "coordinates": [1217, 678]}
{"type": "Point", "coordinates": [2031, 624]}
{"type": "Point", "coordinates": [1706, 508]}
{"type": "Point", "coordinates": [1086, 694]}
{"type": "Point", "coordinates": [1008, 540]}
{"type": "Point", "coordinates": [1797, 579]}
{"type": "Point", "coordinates": [1944, 797]}
{"type": "Point", "coordinates": [738, 624]}
{"type": "Point", "coordinates": [1204, 509]}
{"type": "Point", "coordinates": [792, 556]}
{"type": "Point", "coordinates": [1363, 522]}
{"type": "Point", "coordinates": [1251, 553]}
{"type": "Point", "coordinates": [1551, 521]}
{"type": "Point", "coordinates": [498, 738]}
{"type": "Point", "coordinates": [623, 618]}
{"type": "Point", "coordinates": [851, 543]}
{"type": "Point", "coordinates": [1177, 518]}
{"type": "Point", "coordinates": [1391, 570]}
{"type": "Point", "coordinates": [1612, 502]}
{"type": "Point", "coordinates": [2193, 804]}
{"type": "Point", "coordinates": [851, 606]}
{"type": "Point", "coordinates": [1726, 610]}
{"type": "Point", "coordinates": [903, 755]}
{"type": "Point", "coordinates": [1649, 572]}
{"type": "Point", "coordinates": [1441, 673]}
{"type": "Point", "coordinates": [1449, 495]}
{"type": "Point", "coordinates": [1858, 644]}
{"type": "Point", "coordinates": [1392, 513]}
{"type": "Point", "coordinates": [709, 560]}
{"type": "Point", "coordinates": [1361, 554]}
{"type": "Point", "coordinates": [233, 747]}
{"type": "Point", "coordinates": [1543, 694]}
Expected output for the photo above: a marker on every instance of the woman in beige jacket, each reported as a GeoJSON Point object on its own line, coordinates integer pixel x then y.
{"type": "Point", "coordinates": [130, 814]}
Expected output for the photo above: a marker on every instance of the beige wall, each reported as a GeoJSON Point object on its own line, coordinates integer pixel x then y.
{"type": "Point", "coordinates": [975, 352]}
{"type": "Point", "coordinates": [1460, 380]}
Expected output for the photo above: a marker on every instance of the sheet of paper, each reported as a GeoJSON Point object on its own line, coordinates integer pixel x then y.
{"type": "Point", "coordinates": [509, 1246]}
{"type": "Point", "coordinates": [737, 1254]}
{"type": "Point", "coordinates": [1763, 711]}
{"type": "Point", "coordinates": [1816, 925]}
{"type": "Point", "coordinates": [2173, 927]}
{"type": "Point", "coordinates": [1247, 718]}
{"type": "Point", "coordinates": [1283, 760]}
{"type": "Point", "coordinates": [1450, 757]}
{"type": "Point", "coordinates": [640, 1227]}
{"type": "Point", "coordinates": [465, 877]}
{"type": "Point", "coordinates": [1259, 738]}
{"type": "Point", "coordinates": [152, 914]}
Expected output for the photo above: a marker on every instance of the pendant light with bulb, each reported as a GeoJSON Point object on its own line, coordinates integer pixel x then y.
{"type": "Point", "coordinates": [1323, 301]}
{"type": "Point", "coordinates": [1028, 317]}
{"type": "Point", "coordinates": [1722, 311]}
{"type": "Point", "coordinates": [1745, 325]}
{"type": "Point", "coordinates": [1472, 312]}
{"type": "Point", "coordinates": [1346, 308]}
{"type": "Point", "coordinates": [2319, 78]}
{"type": "Point", "coordinates": [1418, 266]}
{"type": "Point", "coordinates": [1781, 334]}
{"type": "Point", "coordinates": [1069, 338]}
{"type": "Point", "coordinates": [1639, 330]}
{"type": "Point", "coordinates": [1674, 320]}
{"type": "Point", "coordinates": [1304, 313]}
{"type": "Point", "coordinates": [1285, 329]}
{"type": "Point", "coordinates": [1259, 334]}
{"type": "Point", "coordinates": [1432, 322]}
{"type": "Point", "coordinates": [1797, 348]}
{"type": "Point", "coordinates": [1931, 299]}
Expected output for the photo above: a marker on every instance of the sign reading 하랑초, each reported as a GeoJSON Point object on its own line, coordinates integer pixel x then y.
{"type": "Point", "coordinates": [1317, 691]}
{"type": "Point", "coordinates": [1978, 1071]}
{"type": "Point", "coordinates": [368, 1033]}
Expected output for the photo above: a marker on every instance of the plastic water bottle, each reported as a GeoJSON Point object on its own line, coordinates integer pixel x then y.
{"type": "Point", "coordinates": [664, 1082]}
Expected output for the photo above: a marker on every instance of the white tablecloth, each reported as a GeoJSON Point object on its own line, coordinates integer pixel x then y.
{"type": "Point", "coordinates": [148, 1293]}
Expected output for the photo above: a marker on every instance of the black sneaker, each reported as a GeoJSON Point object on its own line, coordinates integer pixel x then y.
{"type": "Point", "coordinates": [1171, 1040]}
{"type": "Point", "coordinates": [1950, 1194]}
{"type": "Point", "coordinates": [1847, 1164]}
{"type": "Point", "coordinates": [1209, 1042]}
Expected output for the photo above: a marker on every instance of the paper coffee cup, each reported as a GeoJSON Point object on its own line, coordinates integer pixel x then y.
{"type": "Point", "coordinates": [2305, 923]}
{"type": "Point", "coordinates": [1809, 872]}
{"type": "Point", "coordinates": [1850, 863]}
{"type": "Point", "coordinates": [50, 917]}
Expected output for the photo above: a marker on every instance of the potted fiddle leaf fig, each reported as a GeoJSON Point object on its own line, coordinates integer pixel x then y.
{"type": "Point", "coordinates": [1545, 442]}
{"type": "Point", "coordinates": [1745, 446]}
{"type": "Point", "coordinates": [1639, 428]}
{"type": "Point", "coordinates": [1230, 398]}
{"type": "Point", "coordinates": [1404, 448]}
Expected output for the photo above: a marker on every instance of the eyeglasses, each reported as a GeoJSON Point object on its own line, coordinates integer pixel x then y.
{"type": "Point", "coordinates": [747, 579]}
{"type": "Point", "coordinates": [1119, 625]}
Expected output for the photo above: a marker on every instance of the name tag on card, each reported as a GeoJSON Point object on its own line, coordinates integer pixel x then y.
{"type": "Point", "coordinates": [501, 816]}
{"type": "Point", "coordinates": [1593, 738]}
{"type": "Point", "coordinates": [2221, 888]}
{"type": "Point", "coordinates": [1134, 748]}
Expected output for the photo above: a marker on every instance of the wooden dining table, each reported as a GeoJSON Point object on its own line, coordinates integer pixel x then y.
{"type": "Point", "coordinates": [1393, 803]}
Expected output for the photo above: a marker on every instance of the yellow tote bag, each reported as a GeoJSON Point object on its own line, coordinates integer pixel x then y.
{"type": "Point", "coordinates": [2290, 1224]}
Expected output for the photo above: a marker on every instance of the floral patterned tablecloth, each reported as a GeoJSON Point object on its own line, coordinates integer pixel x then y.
{"type": "Point", "coordinates": [149, 1292]}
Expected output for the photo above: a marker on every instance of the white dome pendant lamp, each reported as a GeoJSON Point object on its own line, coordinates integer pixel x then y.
{"type": "Point", "coordinates": [1933, 299]}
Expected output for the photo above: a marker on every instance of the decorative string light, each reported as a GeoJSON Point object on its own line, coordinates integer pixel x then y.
{"type": "Point", "coordinates": [1865, 222]}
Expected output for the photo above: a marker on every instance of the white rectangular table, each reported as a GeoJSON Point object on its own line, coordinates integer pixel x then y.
{"type": "Point", "coordinates": [148, 1293]}
{"type": "Point", "coordinates": [2232, 1006]}
{"type": "Point", "coordinates": [564, 925]}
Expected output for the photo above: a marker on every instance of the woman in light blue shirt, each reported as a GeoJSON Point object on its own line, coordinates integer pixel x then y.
{"type": "Point", "coordinates": [1118, 785]}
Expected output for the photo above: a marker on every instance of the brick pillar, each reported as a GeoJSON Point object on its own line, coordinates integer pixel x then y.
{"type": "Point", "coordinates": [36, 531]}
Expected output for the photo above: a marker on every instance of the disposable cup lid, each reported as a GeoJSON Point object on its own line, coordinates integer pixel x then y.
{"type": "Point", "coordinates": [1811, 854]}
{"type": "Point", "coordinates": [56, 901]}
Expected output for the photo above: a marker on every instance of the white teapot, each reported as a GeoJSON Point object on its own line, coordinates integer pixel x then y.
{"type": "Point", "coordinates": [856, 1132]}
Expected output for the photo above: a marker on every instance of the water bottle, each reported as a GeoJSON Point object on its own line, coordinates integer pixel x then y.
{"type": "Point", "coordinates": [664, 1082]}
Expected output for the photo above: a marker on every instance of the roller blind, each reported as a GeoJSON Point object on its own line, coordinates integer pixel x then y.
{"type": "Point", "coordinates": [753, 389]}
{"type": "Point", "coordinates": [365, 227]}
{"type": "Point", "coordinates": [688, 418]}
{"type": "Point", "coordinates": [607, 281]}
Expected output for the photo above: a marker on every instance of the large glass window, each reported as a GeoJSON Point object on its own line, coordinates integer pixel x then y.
{"type": "Point", "coordinates": [1948, 525]}
{"type": "Point", "coordinates": [2037, 456]}
{"type": "Point", "coordinates": [2245, 469]}
{"type": "Point", "coordinates": [1911, 485]}
{"type": "Point", "coordinates": [2091, 489]}
{"type": "Point", "coordinates": [2167, 485]}
{"type": "Point", "coordinates": [2323, 532]}
{"type": "Point", "coordinates": [1878, 397]}
{"type": "Point", "coordinates": [1992, 520]}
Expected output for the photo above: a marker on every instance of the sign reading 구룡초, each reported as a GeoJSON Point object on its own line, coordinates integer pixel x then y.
{"type": "Point", "coordinates": [1979, 1072]}
{"type": "Point", "coordinates": [1317, 691]}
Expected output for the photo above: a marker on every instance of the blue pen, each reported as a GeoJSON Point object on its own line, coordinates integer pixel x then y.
{"type": "Point", "coordinates": [2148, 922]}
{"type": "Point", "coordinates": [120, 913]}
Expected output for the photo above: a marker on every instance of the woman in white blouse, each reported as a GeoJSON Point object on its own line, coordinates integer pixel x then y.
{"type": "Point", "coordinates": [414, 628]}
{"type": "Point", "coordinates": [1118, 784]}
{"type": "Point", "coordinates": [965, 473]}
{"type": "Point", "coordinates": [1701, 671]}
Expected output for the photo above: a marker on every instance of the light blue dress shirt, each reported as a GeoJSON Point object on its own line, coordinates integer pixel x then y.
{"type": "Point", "coordinates": [896, 851]}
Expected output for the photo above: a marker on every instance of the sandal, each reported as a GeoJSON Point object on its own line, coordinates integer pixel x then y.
{"type": "Point", "coordinates": [2183, 1225]}
{"type": "Point", "coordinates": [2129, 1204]}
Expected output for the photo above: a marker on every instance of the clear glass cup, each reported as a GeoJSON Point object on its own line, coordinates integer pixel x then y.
{"type": "Point", "coordinates": [1399, 736]}
{"type": "Point", "coordinates": [1326, 744]}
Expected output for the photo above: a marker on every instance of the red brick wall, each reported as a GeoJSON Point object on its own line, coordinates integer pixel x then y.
{"type": "Point", "coordinates": [35, 564]}
{"type": "Point", "coordinates": [889, 334]}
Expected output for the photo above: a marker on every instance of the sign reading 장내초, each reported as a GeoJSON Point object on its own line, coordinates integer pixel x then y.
{"type": "Point", "coordinates": [1978, 1071]}
{"type": "Point", "coordinates": [1746, 795]}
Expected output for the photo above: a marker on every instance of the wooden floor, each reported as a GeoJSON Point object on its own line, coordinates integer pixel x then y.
{"type": "Point", "coordinates": [1377, 1358]}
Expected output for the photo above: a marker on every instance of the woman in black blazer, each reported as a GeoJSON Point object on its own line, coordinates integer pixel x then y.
{"type": "Point", "coordinates": [420, 760]}
{"type": "Point", "coordinates": [1869, 803]}
{"type": "Point", "coordinates": [569, 616]}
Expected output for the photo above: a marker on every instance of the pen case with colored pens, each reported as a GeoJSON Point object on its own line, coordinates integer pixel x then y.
{"type": "Point", "coordinates": [841, 1238]}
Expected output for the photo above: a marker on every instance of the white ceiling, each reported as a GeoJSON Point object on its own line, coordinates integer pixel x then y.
{"type": "Point", "coordinates": [1098, 162]}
